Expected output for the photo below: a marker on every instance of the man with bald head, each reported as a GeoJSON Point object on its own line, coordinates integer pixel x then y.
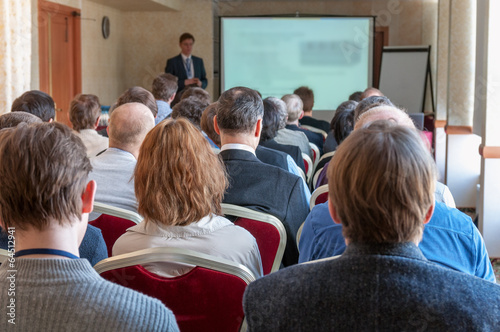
{"type": "Point", "coordinates": [114, 168]}
{"type": "Point", "coordinates": [450, 238]}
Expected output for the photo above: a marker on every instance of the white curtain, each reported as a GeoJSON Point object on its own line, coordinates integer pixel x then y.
{"type": "Point", "coordinates": [15, 50]}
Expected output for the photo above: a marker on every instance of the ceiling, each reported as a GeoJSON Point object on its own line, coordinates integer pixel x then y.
{"type": "Point", "coordinates": [142, 5]}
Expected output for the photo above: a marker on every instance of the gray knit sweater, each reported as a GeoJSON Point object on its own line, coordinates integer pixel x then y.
{"type": "Point", "coordinates": [68, 295]}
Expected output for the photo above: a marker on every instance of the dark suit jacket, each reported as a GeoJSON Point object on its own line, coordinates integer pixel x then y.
{"type": "Point", "coordinates": [267, 189]}
{"type": "Point", "coordinates": [372, 288]}
{"type": "Point", "coordinates": [292, 150]}
{"type": "Point", "coordinates": [313, 137]}
{"type": "Point", "coordinates": [272, 157]}
{"type": "Point", "coordinates": [320, 124]}
{"type": "Point", "coordinates": [175, 66]}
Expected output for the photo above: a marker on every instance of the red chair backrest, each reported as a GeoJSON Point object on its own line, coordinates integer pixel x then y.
{"type": "Point", "coordinates": [112, 228]}
{"type": "Point", "coordinates": [315, 157]}
{"type": "Point", "coordinates": [201, 300]}
{"type": "Point", "coordinates": [306, 165]}
{"type": "Point", "coordinates": [322, 198]}
{"type": "Point", "coordinates": [267, 237]}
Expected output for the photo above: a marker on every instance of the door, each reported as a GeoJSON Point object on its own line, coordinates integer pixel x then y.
{"type": "Point", "coordinates": [59, 55]}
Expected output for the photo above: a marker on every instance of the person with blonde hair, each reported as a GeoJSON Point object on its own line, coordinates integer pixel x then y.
{"type": "Point", "coordinates": [181, 201]}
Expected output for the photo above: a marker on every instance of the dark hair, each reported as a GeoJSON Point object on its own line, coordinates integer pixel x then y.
{"type": "Point", "coordinates": [84, 111]}
{"type": "Point", "coordinates": [369, 103]}
{"type": "Point", "coordinates": [307, 97]}
{"type": "Point", "coordinates": [137, 94]}
{"type": "Point", "coordinates": [239, 109]}
{"type": "Point", "coordinates": [190, 108]}
{"type": "Point", "coordinates": [270, 121]}
{"type": "Point", "coordinates": [12, 119]}
{"type": "Point", "coordinates": [184, 36]}
{"type": "Point", "coordinates": [198, 93]}
{"type": "Point", "coordinates": [207, 123]}
{"type": "Point", "coordinates": [343, 121]}
{"type": "Point", "coordinates": [164, 86]}
{"type": "Point", "coordinates": [37, 103]}
{"type": "Point", "coordinates": [43, 173]}
{"type": "Point", "coordinates": [356, 96]}
{"type": "Point", "coordinates": [369, 92]}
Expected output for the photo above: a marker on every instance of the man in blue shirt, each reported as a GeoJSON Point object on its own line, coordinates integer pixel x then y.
{"type": "Point", "coordinates": [164, 90]}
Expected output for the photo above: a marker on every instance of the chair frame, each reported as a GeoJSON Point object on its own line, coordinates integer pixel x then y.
{"type": "Point", "coordinates": [316, 130]}
{"type": "Point", "coordinates": [320, 190]}
{"type": "Point", "coordinates": [117, 212]}
{"type": "Point", "coordinates": [310, 166]}
{"type": "Point", "coordinates": [243, 212]}
{"type": "Point", "coordinates": [318, 155]}
{"type": "Point", "coordinates": [299, 233]}
{"type": "Point", "coordinates": [315, 177]}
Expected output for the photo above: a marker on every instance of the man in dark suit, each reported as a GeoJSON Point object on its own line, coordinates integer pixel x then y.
{"type": "Point", "coordinates": [381, 185]}
{"type": "Point", "coordinates": [307, 96]}
{"type": "Point", "coordinates": [252, 183]}
{"type": "Point", "coordinates": [188, 68]}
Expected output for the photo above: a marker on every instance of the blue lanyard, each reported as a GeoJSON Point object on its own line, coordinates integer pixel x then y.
{"type": "Point", "coordinates": [45, 251]}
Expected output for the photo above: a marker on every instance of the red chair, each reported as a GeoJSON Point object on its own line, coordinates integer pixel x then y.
{"type": "Point", "coordinates": [320, 195]}
{"type": "Point", "coordinates": [308, 163]}
{"type": "Point", "coordinates": [113, 222]}
{"type": "Point", "coordinates": [316, 155]}
{"type": "Point", "coordinates": [208, 298]}
{"type": "Point", "coordinates": [268, 231]}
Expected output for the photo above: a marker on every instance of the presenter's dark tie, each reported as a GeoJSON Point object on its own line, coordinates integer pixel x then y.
{"type": "Point", "coordinates": [188, 68]}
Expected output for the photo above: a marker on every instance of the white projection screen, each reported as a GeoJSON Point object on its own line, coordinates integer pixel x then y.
{"type": "Point", "coordinates": [276, 55]}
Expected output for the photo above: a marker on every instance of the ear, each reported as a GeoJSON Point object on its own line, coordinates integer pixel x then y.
{"type": "Point", "coordinates": [88, 197]}
{"type": "Point", "coordinates": [216, 126]}
{"type": "Point", "coordinates": [50, 120]}
{"type": "Point", "coordinates": [301, 114]}
{"type": "Point", "coordinates": [258, 128]}
{"type": "Point", "coordinates": [96, 124]}
{"type": "Point", "coordinates": [429, 213]}
{"type": "Point", "coordinates": [172, 98]}
{"type": "Point", "coordinates": [333, 212]}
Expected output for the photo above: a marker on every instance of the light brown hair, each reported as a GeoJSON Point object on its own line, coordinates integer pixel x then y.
{"type": "Point", "coordinates": [43, 173]}
{"type": "Point", "coordinates": [381, 182]}
{"type": "Point", "coordinates": [178, 179]}
{"type": "Point", "coordinates": [207, 123]}
{"type": "Point", "coordinates": [307, 96]}
{"type": "Point", "coordinates": [140, 95]}
{"type": "Point", "coordinates": [164, 86]}
{"type": "Point", "coordinates": [84, 110]}
{"type": "Point", "coordinates": [198, 93]}
{"type": "Point", "coordinates": [12, 119]}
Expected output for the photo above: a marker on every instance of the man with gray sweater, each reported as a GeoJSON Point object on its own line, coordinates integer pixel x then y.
{"type": "Point", "coordinates": [44, 205]}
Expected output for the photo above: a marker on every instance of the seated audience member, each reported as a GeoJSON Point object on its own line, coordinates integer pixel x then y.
{"type": "Point", "coordinates": [207, 127]}
{"type": "Point", "coordinates": [164, 89]}
{"type": "Point", "coordinates": [56, 290]}
{"type": "Point", "coordinates": [369, 92]}
{"type": "Point", "coordinates": [93, 247]}
{"type": "Point", "coordinates": [84, 114]}
{"type": "Point", "coordinates": [295, 112]}
{"type": "Point", "coordinates": [113, 169]}
{"type": "Point", "coordinates": [139, 95]}
{"type": "Point", "coordinates": [382, 281]}
{"type": "Point", "coordinates": [356, 96]}
{"type": "Point", "coordinates": [287, 136]}
{"type": "Point", "coordinates": [347, 113]}
{"type": "Point", "coordinates": [197, 93]}
{"type": "Point", "coordinates": [181, 201]}
{"type": "Point", "coordinates": [270, 126]}
{"type": "Point", "coordinates": [368, 103]}
{"type": "Point", "coordinates": [252, 183]}
{"type": "Point", "coordinates": [190, 108]}
{"type": "Point", "coordinates": [307, 97]}
{"type": "Point", "coordinates": [450, 238]}
{"type": "Point", "coordinates": [37, 103]}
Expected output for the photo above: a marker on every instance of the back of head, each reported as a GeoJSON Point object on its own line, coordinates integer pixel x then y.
{"type": "Point", "coordinates": [37, 103]}
{"type": "Point", "coordinates": [381, 184]}
{"type": "Point", "coordinates": [190, 108]}
{"type": "Point", "coordinates": [342, 123]}
{"type": "Point", "coordinates": [197, 93]}
{"type": "Point", "coordinates": [356, 96]}
{"type": "Point", "coordinates": [369, 103]}
{"type": "Point", "coordinates": [207, 123]}
{"type": "Point", "coordinates": [43, 173]}
{"type": "Point", "coordinates": [129, 124]}
{"type": "Point", "coordinates": [164, 86]}
{"type": "Point", "coordinates": [307, 97]}
{"type": "Point", "coordinates": [188, 181]}
{"type": "Point", "coordinates": [391, 113]}
{"type": "Point", "coordinates": [271, 121]}
{"type": "Point", "coordinates": [137, 94]}
{"type": "Point", "coordinates": [12, 119]}
{"type": "Point", "coordinates": [281, 107]}
{"type": "Point", "coordinates": [371, 92]}
{"type": "Point", "coordinates": [84, 110]}
{"type": "Point", "coordinates": [294, 107]}
{"type": "Point", "coordinates": [238, 110]}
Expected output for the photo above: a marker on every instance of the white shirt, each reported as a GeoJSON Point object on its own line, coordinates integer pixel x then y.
{"type": "Point", "coordinates": [213, 235]}
{"type": "Point", "coordinates": [184, 58]}
{"type": "Point", "coordinates": [237, 146]}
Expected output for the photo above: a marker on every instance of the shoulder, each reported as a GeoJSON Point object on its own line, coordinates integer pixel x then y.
{"type": "Point", "coordinates": [451, 219]}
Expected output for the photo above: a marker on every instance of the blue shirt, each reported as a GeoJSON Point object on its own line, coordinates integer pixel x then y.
{"type": "Point", "coordinates": [450, 239]}
{"type": "Point", "coordinates": [164, 111]}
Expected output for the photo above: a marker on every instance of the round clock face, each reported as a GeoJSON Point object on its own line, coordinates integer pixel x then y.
{"type": "Point", "coordinates": [105, 27]}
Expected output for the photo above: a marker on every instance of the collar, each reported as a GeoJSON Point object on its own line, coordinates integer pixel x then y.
{"type": "Point", "coordinates": [185, 57]}
{"type": "Point", "coordinates": [237, 146]}
{"type": "Point", "coordinates": [407, 249]}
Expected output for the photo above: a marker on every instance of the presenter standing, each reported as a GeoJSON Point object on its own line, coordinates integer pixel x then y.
{"type": "Point", "coordinates": [188, 68]}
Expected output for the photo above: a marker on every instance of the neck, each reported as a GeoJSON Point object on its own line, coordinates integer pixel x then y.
{"type": "Point", "coordinates": [65, 237]}
{"type": "Point", "coordinates": [308, 113]}
{"type": "Point", "coordinates": [239, 139]}
{"type": "Point", "coordinates": [186, 55]}
{"type": "Point", "coordinates": [296, 122]}
{"type": "Point", "coordinates": [132, 148]}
